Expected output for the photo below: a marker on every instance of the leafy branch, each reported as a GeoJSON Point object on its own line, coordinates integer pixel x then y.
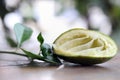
{"type": "Point", "coordinates": [45, 54]}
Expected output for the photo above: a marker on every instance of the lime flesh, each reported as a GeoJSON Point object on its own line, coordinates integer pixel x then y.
{"type": "Point", "coordinates": [84, 46]}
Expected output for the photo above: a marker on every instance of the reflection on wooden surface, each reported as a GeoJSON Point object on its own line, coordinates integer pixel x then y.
{"type": "Point", "coordinates": [20, 69]}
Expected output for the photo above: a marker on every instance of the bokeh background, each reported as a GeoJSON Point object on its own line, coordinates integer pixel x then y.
{"type": "Point", "coordinates": [52, 17]}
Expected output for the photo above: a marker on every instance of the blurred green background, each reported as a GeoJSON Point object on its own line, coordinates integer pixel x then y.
{"type": "Point", "coordinates": [52, 17]}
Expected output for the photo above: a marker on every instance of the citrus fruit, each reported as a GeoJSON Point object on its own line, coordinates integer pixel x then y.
{"type": "Point", "coordinates": [86, 47]}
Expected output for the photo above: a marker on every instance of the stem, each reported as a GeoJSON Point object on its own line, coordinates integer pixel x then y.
{"type": "Point", "coordinates": [24, 55]}
{"type": "Point", "coordinates": [15, 53]}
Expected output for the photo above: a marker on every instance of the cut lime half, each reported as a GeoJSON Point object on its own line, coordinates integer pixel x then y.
{"type": "Point", "coordinates": [84, 46]}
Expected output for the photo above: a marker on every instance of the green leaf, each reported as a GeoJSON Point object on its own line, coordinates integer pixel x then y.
{"type": "Point", "coordinates": [48, 53]}
{"type": "Point", "coordinates": [22, 32]}
{"type": "Point", "coordinates": [53, 58]}
{"type": "Point", "coordinates": [40, 38]}
{"type": "Point", "coordinates": [46, 49]}
{"type": "Point", "coordinates": [32, 55]}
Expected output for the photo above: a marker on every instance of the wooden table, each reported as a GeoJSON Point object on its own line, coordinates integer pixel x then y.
{"type": "Point", "coordinates": [11, 69]}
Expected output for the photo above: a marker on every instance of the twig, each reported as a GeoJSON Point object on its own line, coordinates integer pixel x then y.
{"type": "Point", "coordinates": [15, 53]}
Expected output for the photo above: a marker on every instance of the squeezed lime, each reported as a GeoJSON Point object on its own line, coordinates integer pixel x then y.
{"type": "Point", "coordinates": [86, 47]}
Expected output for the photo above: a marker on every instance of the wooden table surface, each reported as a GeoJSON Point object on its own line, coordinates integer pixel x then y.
{"type": "Point", "coordinates": [12, 68]}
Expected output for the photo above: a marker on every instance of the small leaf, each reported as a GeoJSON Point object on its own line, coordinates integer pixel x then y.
{"type": "Point", "coordinates": [40, 38]}
{"type": "Point", "coordinates": [54, 58]}
{"type": "Point", "coordinates": [46, 49]}
{"type": "Point", "coordinates": [22, 32]}
{"type": "Point", "coordinates": [48, 54]}
{"type": "Point", "coordinates": [32, 55]}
